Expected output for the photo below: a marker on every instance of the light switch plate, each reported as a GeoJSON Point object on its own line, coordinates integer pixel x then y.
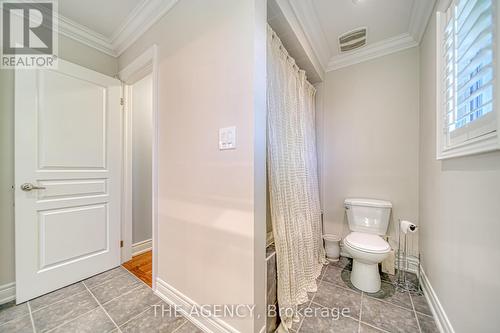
{"type": "Point", "coordinates": [227, 138]}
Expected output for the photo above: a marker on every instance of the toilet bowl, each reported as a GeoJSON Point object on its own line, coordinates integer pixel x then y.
{"type": "Point", "coordinates": [368, 221]}
{"type": "Point", "coordinates": [367, 251]}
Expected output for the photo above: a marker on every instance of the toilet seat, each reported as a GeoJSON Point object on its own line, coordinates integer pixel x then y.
{"type": "Point", "coordinates": [367, 242]}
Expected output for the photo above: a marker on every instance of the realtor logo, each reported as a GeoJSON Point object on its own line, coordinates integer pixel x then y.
{"type": "Point", "coordinates": [29, 34]}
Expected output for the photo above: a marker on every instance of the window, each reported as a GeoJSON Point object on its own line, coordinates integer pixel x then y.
{"type": "Point", "coordinates": [467, 114]}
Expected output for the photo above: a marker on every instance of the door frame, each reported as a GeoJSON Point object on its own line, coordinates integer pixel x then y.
{"type": "Point", "coordinates": [66, 271]}
{"type": "Point", "coordinates": [146, 63]}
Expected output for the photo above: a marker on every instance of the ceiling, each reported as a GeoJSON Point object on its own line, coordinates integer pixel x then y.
{"type": "Point", "coordinates": [309, 29]}
{"type": "Point", "coordinates": [110, 26]}
{"type": "Point", "coordinates": [383, 18]}
{"type": "Point", "coordinates": [103, 17]}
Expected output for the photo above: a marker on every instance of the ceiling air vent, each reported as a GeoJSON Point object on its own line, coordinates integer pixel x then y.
{"type": "Point", "coordinates": [352, 40]}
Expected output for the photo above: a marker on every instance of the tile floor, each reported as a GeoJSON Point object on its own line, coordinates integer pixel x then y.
{"type": "Point", "coordinates": [386, 311]}
{"type": "Point", "coordinates": [114, 301]}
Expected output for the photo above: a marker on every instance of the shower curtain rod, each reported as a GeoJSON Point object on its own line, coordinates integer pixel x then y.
{"type": "Point", "coordinates": [289, 58]}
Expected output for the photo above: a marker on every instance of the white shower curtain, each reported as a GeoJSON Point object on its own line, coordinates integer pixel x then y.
{"type": "Point", "coordinates": [293, 179]}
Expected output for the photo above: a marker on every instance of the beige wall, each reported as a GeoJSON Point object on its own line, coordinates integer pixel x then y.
{"type": "Point", "coordinates": [142, 134]}
{"type": "Point", "coordinates": [69, 50]}
{"type": "Point", "coordinates": [368, 137]}
{"type": "Point", "coordinates": [211, 203]}
{"type": "Point", "coordinates": [460, 217]}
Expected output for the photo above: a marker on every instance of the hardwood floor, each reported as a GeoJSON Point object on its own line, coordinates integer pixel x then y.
{"type": "Point", "coordinates": [141, 266]}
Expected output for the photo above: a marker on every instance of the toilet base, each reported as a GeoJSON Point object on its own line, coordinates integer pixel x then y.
{"type": "Point", "coordinates": [365, 277]}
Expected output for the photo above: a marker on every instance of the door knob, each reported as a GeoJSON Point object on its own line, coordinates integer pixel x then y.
{"type": "Point", "coordinates": [28, 187]}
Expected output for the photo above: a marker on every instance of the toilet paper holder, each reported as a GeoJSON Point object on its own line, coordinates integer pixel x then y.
{"type": "Point", "coordinates": [406, 263]}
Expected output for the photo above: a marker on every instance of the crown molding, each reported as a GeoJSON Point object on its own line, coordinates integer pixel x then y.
{"type": "Point", "coordinates": [142, 17]}
{"type": "Point", "coordinates": [309, 21]}
{"type": "Point", "coordinates": [292, 14]}
{"type": "Point", "coordinates": [372, 51]}
{"type": "Point", "coordinates": [421, 12]}
{"type": "Point", "coordinates": [84, 35]}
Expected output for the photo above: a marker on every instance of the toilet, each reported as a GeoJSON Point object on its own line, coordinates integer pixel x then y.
{"type": "Point", "coordinates": [368, 221]}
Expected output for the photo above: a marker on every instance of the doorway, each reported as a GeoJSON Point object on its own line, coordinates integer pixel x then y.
{"type": "Point", "coordinates": [141, 110]}
{"type": "Point", "coordinates": [139, 151]}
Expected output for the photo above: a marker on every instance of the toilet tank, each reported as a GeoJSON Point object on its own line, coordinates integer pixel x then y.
{"type": "Point", "coordinates": [368, 215]}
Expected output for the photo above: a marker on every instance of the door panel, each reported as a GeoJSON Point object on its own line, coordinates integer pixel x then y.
{"type": "Point", "coordinates": [71, 188]}
{"type": "Point", "coordinates": [65, 101]}
{"type": "Point", "coordinates": [67, 143]}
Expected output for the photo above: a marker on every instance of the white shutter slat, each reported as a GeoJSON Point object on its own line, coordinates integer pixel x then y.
{"type": "Point", "coordinates": [469, 69]}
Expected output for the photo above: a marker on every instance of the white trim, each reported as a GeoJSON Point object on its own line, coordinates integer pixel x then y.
{"type": "Point", "coordinates": [481, 144]}
{"type": "Point", "coordinates": [144, 15]}
{"type": "Point", "coordinates": [84, 35]}
{"type": "Point", "coordinates": [127, 202]}
{"type": "Point", "coordinates": [442, 321]}
{"type": "Point", "coordinates": [7, 292]}
{"type": "Point", "coordinates": [183, 303]}
{"type": "Point", "coordinates": [372, 51]}
{"type": "Point", "coordinates": [421, 13]}
{"type": "Point", "coordinates": [290, 14]}
{"type": "Point", "coordinates": [140, 19]}
{"type": "Point", "coordinates": [309, 22]}
{"type": "Point", "coordinates": [141, 247]}
{"type": "Point", "coordinates": [140, 67]}
{"type": "Point", "coordinates": [148, 61]}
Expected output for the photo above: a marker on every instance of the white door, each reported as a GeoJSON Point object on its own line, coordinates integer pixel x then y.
{"type": "Point", "coordinates": [68, 174]}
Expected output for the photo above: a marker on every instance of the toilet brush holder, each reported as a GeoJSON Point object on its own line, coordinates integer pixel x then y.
{"type": "Point", "coordinates": [408, 266]}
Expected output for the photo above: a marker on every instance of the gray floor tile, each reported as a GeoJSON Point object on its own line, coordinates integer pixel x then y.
{"type": "Point", "coordinates": [18, 325]}
{"type": "Point", "coordinates": [104, 277]}
{"type": "Point", "coordinates": [301, 308]}
{"type": "Point", "coordinates": [272, 295]}
{"type": "Point", "coordinates": [389, 294]}
{"type": "Point", "coordinates": [188, 327]}
{"type": "Point", "coordinates": [364, 328]}
{"type": "Point", "coordinates": [332, 296]}
{"type": "Point", "coordinates": [410, 277]}
{"type": "Point", "coordinates": [323, 270]}
{"type": "Point", "coordinates": [129, 305]}
{"type": "Point", "coordinates": [271, 323]}
{"type": "Point", "coordinates": [427, 324]}
{"type": "Point", "coordinates": [154, 320]}
{"type": "Point", "coordinates": [343, 262]}
{"type": "Point", "coordinates": [56, 296]}
{"type": "Point", "coordinates": [388, 317]}
{"type": "Point", "coordinates": [322, 320]}
{"type": "Point", "coordinates": [10, 311]}
{"type": "Point", "coordinates": [387, 277]}
{"type": "Point", "coordinates": [339, 276]}
{"type": "Point", "coordinates": [421, 305]}
{"type": "Point", "coordinates": [271, 271]}
{"type": "Point", "coordinates": [95, 321]}
{"type": "Point", "coordinates": [63, 311]}
{"type": "Point", "coordinates": [115, 287]}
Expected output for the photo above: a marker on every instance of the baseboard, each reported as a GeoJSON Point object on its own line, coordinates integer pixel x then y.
{"type": "Point", "coordinates": [7, 292]}
{"type": "Point", "coordinates": [141, 247]}
{"type": "Point", "coordinates": [174, 297]}
{"type": "Point", "coordinates": [442, 321]}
